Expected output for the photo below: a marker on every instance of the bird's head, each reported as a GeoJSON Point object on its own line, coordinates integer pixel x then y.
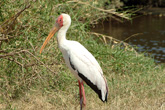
{"type": "Point", "coordinates": [62, 22]}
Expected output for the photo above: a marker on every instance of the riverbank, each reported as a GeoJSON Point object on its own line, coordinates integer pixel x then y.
{"type": "Point", "coordinates": [33, 81]}
{"type": "Point", "coordinates": [153, 11]}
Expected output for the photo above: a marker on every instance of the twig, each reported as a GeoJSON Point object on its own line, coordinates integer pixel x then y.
{"type": "Point", "coordinates": [11, 54]}
{"type": "Point", "coordinates": [15, 61]}
{"type": "Point", "coordinates": [9, 24]}
{"type": "Point", "coordinates": [25, 51]}
{"type": "Point", "coordinates": [115, 41]}
{"type": "Point", "coordinates": [110, 11]}
{"type": "Point", "coordinates": [2, 51]}
{"type": "Point", "coordinates": [105, 36]}
{"type": "Point", "coordinates": [38, 60]}
{"type": "Point", "coordinates": [15, 16]}
{"type": "Point", "coordinates": [6, 38]}
{"type": "Point", "coordinates": [134, 35]}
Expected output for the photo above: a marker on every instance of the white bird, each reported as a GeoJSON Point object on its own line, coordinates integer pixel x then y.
{"type": "Point", "coordinates": [79, 60]}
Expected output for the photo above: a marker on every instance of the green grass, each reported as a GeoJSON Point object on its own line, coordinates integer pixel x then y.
{"type": "Point", "coordinates": [27, 81]}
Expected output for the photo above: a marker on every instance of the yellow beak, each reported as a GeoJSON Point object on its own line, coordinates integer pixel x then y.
{"type": "Point", "coordinates": [52, 32]}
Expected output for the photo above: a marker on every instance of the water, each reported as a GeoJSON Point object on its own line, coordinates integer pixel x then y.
{"type": "Point", "coordinates": [149, 30]}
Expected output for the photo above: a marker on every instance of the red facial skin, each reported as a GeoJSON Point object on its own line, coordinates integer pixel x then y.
{"type": "Point", "coordinates": [59, 21]}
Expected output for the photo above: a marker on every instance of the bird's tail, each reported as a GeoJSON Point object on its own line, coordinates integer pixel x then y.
{"type": "Point", "coordinates": [106, 95]}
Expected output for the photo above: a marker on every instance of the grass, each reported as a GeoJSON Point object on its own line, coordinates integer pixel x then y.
{"type": "Point", "coordinates": [30, 81]}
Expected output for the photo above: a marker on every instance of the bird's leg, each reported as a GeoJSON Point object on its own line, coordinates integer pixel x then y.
{"type": "Point", "coordinates": [83, 93]}
{"type": "Point", "coordinates": [80, 92]}
{"type": "Point", "coordinates": [80, 89]}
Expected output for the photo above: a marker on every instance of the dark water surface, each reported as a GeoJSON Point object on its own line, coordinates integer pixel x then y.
{"type": "Point", "coordinates": [150, 30]}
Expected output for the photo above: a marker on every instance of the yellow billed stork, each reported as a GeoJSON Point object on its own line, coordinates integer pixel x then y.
{"type": "Point", "coordinates": [80, 61]}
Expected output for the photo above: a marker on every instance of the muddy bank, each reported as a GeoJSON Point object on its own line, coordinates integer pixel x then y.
{"type": "Point", "coordinates": [152, 11]}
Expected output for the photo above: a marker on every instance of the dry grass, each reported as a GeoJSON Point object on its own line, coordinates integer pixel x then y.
{"type": "Point", "coordinates": [38, 101]}
{"type": "Point", "coordinates": [68, 99]}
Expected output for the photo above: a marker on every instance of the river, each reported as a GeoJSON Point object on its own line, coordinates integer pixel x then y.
{"type": "Point", "coordinates": [147, 31]}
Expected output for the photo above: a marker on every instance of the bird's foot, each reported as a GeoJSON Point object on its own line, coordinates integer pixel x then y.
{"type": "Point", "coordinates": [81, 103]}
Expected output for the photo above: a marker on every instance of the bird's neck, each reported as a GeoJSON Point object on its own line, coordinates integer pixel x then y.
{"type": "Point", "coordinates": [61, 36]}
